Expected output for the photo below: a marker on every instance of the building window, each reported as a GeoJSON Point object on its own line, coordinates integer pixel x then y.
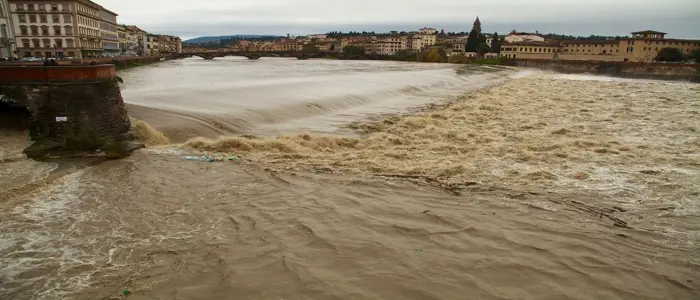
{"type": "Point", "coordinates": [59, 43]}
{"type": "Point", "coordinates": [630, 49]}
{"type": "Point", "coordinates": [56, 18]}
{"type": "Point", "coordinates": [47, 43]}
{"type": "Point", "coordinates": [22, 18]}
{"type": "Point", "coordinates": [71, 54]}
{"type": "Point", "coordinates": [30, 7]}
{"type": "Point", "coordinates": [57, 30]}
{"type": "Point", "coordinates": [54, 7]}
{"type": "Point", "coordinates": [32, 19]}
{"type": "Point", "coordinates": [69, 30]}
{"type": "Point", "coordinates": [69, 43]}
{"type": "Point", "coordinates": [43, 19]}
{"type": "Point", "coordinates": [35, 30]}
{"type": "Point", "coordinates": [44, 30]}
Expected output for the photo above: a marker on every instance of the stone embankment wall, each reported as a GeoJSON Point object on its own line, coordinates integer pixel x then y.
{"type": "Point", "coordinates": [71, 107]}
{"type": "Point", "coordinates": [118, 62]}
{"type": "Point", "coordinates": [666, 71]}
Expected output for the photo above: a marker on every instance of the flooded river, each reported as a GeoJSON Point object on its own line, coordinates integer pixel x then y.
{"type": "Point", "coordinates": [368, 180]}
{"type": "Point", "coordinates": [191, 98]}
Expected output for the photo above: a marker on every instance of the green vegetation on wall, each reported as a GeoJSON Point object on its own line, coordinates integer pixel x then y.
{"type": "Point", "coordinates": [435, 55]}
{"type": "Point", "coordinates": [670, 54]}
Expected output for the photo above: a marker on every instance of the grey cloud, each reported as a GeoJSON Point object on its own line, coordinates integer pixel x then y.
{"type": "Point", "coordinates": [680, 18]}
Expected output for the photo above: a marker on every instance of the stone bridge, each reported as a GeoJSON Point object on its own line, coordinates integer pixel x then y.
{"type": "Point", "coordinates": [258, 54]}
{"type": "Point", "coordinates": [67, 109]}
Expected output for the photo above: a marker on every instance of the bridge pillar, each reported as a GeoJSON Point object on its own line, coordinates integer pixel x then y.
{"type": "Point", "coordinates": [253, 56]}
{"type": "Point", "coordinates": [72, 109]}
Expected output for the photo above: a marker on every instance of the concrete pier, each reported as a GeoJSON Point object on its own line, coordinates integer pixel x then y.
{"type": "Point", "coordinates": [71, 109]}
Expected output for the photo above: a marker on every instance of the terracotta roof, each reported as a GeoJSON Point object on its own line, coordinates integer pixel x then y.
{"type": "Point", "coordinates": [648, 31]}
{"type": "Point", "coordinates": [534, 43]}
{"type": "Point", "coordinates": [522, 33]}
{"type": "Point", "coordinates": [662, 40]}
{"type": "Point", "coordinates": [591, 42]}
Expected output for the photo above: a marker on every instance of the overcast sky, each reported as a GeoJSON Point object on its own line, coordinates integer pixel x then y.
{"type": "Point", "coordinates": [189, 19]}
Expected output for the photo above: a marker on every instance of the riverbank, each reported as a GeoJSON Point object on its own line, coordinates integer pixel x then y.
{"type": "Point", "coordinates": [120, 63]}
{"type": "Point", "coordinates": [634, 70]}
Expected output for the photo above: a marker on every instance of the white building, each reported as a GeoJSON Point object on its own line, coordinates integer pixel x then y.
{"type": "Point", "coordinates": [110, 35]}
{"type": "Point", "coordinates": [387, 45]}
{"type": "Point", "coordinates": [153, 47]}
{"type": "Point", "coordinates": [44, 29]}
{"type": "Point", "coordinates": [88, 17]}
{"type": "Point", "coordinates": [457, 44]}
{"type": "Point", "coordinates": [516, 37]}
{"type": "Point", "coordinates": [427, 31]}
{"type": "Point", "coordinates": [7, 37]}
{"type": "Point", "coordinates": [139, 38]}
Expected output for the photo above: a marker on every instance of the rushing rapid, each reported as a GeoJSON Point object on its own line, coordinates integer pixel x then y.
{"type": "Point", "coordinates": [192, 98]}
{"type": "Point", "coordinates": [367, 180]}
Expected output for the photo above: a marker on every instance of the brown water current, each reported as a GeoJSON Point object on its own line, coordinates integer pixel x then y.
{"type": "Point", "coordinates": [484, 184]}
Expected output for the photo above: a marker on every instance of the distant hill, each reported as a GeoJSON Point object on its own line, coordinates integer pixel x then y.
{"type": "Point", "coordinates": [209, 39]}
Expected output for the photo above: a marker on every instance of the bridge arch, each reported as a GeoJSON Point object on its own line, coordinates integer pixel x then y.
{"type": "Point", "coordinates": [14, 112]}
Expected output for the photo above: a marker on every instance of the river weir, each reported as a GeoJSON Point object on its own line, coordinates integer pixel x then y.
{"type": "Point", "coordinates": [367, 180]}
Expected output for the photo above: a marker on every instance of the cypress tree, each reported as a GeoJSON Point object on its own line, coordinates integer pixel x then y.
{"type": "Point", "coordinates": [472, 41]}
{"type": "Point", "coordinates": [496, 43]}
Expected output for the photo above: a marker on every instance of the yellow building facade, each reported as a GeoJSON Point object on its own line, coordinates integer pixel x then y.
{"type": "Point", "coordinates": [531, 50]}
{"type": "Point", "coordinates": [642, 46]}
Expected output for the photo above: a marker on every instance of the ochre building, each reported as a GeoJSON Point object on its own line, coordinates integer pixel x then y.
{"type": "Point", "coordinates": [642, 46]}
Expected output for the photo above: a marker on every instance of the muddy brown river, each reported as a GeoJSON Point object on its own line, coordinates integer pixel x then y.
{"type": "Point", "coordinates": [368, 180]}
